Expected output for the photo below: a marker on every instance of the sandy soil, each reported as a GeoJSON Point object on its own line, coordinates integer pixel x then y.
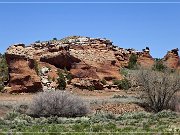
{"type": "Point", "coordinates": [97, 99]}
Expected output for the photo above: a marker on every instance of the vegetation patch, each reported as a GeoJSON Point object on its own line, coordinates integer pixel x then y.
{"type": "Point", "coordinates": [139, 122]}
{"type": "Point", "coordinates": [158, 89]}
{"type": "Point", "coordinates": [132, 64]}
{"type": "Point", "coordinates": [122, 84]}
{"type": "Point", "coordinates": [61, 81]}
{"type": "Point", "coordinates": [57, 103]}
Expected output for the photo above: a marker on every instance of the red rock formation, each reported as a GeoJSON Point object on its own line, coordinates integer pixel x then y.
{"type": "Point", "coordinates": [22, 75]}
{"type": "Point", "coordinates": [171, 59]}
{"type": "Point", "coordinates": [145, 60]}
{"type": "Point", "coordinates": [60, 60]}
{"type": "Point", "coordinates": [85, 58]}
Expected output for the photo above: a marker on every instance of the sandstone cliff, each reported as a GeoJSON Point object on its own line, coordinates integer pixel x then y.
{"type": "Point", "coordinates": [171, 59]}
{"type": "Point", "coordinates": [89, 59]}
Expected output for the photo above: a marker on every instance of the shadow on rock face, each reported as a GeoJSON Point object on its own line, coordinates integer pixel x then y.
{"type": "Point", "coordinates": [62, 60]}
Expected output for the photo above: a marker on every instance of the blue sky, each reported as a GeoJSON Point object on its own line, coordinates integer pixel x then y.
{"type": "Point", "coordinates": [127, 25]}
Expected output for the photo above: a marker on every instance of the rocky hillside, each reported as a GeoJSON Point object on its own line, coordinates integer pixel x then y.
{"type": "Point", "coordinates": [89, 60]}
{"type": "Point", "coordinates": [171, 59]}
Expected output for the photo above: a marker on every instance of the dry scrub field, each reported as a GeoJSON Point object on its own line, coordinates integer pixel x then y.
{"type": "Point", "coordinates": [115, 101]}
{"type": "Point", "coordinates": [112, 112]}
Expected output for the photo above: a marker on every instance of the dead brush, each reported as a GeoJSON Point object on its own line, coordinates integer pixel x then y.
{"type": "Point", "coordinates": [57, 103]}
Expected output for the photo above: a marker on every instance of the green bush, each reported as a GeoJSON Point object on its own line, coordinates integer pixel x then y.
{"type": "Point", "coordinates": [124, 71]}
{"type": "Point", "coordinates": [159, 66]}
{"type": "Point", "coordinates": [1, 88]}
{"type": "Point", "coordinates": [4, 75]}
{"type": "Point", "coordinates": [132, 64]}
{"type": "Point", "coordinates": [55, 39]}
{"type": "Point", "coordinates": [116, 82]}
{"type": "Point", "coordinates": [122, 84]}
{"type": "Point", "coordinates": [120, 96]}
{"type": "Point", "coordinates": [36, 67]}
{"type": "Point", "coordinates": [91, 88]}
{"type": "Point", "coordinates": [38, 41]}
{"type": "Point", "coordinates": [165, 114]}
{"type": "Point", "coordinates": [61, 81]}
{"type": "Point", "coordinates": [69, 76]}
{"type": "Point", "coordinates": [103, 81]}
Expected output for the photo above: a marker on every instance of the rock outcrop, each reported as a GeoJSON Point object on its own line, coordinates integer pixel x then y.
{"type": "Point", "coordinates": [171, 59]}
{"type": "Point", "coordinates": [22, 75]}
{"type": "Point", "coordinates": [145, 59]}
{"type": "Point", "coordinates": [89, 59]}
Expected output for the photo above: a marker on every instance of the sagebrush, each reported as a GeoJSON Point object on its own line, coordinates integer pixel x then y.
{"type": "Point", "coordinates": [57, 103]}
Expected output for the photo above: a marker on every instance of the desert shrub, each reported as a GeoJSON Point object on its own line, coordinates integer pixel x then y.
{"type": "Point", "coordinates": [69, 77]}
{"type": "Point", "coordinates": [49, 68]}
{"type": "Point", "coordinates": [124, 71]}
{"type": "Point", "coordinates": [116, 82]}
{"type": "Point", "coordinates": [165, 114]}
{"type": "Point", "coordinates": [102, 117]}
{"type": "Point", "coordinates": [21, 107]}
{"type": "Point", "coordinates": [91, 88]}
{"type": "Point", "coordinates": [120, 96]}
{"type": "Point", "coordinates": [55, 39]}
{"type": "Point", "coordinates": [103, 81]}
{"type": "Point", "coordinates": [133, 115]}
{"type": "Point", "coordinates": [1, 88]}
{"type": "Point", "coordinates": [57, 103]}
{"type": "Point", "coordinates": [38, 41]}
{"type": "Point", "coordinates": [4, 75]}
{"type": "Point", "coordinates": [132, 64]}
{"type": "Point", "coordinates": [158, 88]}
{"type": "Point", "coordinates": [12, 115]}
{"type": "Point", "coordinates": [61, 81]}
{"type": "Point", "coordinates": [36, 67]}
{"type": "Point", "coordinates": [159, 66]}
{"type": "Point", "coordinates": [122, 84]}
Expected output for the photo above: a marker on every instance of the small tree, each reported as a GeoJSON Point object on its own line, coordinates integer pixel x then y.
{"type": "Point", "coordinates": [158, 88]}
{"type": "Point", "coordinates": [159, 66]}
{"type": "Point", "coordinates": [38, 41]}
{"type": "Point", "coordinates": [132, 64]}
{"type": "Point", "coordinates": [55, 39]}
{"type": "Point", "coordinates": [61, 81]}
{"type": "Point", "coordinates": [4, 75]}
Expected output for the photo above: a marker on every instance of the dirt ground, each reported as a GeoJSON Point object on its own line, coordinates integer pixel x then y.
{"type": "Point", "coordinates": [100, 100]}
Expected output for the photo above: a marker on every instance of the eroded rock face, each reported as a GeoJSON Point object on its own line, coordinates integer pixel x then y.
{"type": "Point", "coordinates": [60, 60]}
{"type": "Point", "coordinates": [88, 83]}
{"type": "Point", "coordinates": [171, 59]}
{"type": "Point", "coordinates": [22, 76]}
{"type": "Point", "coordinates": [145, 60]}
{"type": "Point", "coordinates": [88, 59]}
